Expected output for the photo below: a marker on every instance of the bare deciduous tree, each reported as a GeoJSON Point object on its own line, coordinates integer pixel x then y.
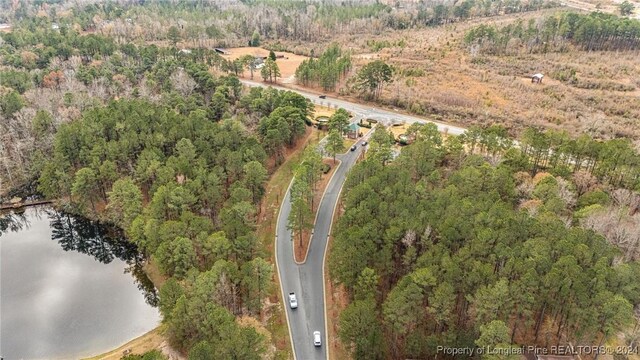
{"type": "Point", "coordinates": [584, 181]}
{"type": "Point", "coordinates": [619, 228]}
{"type": "Point", "coordinates": [182, 82]}
{"type": "Point", "coordinates": [409, 238]}
{"type": "Point", "coordinates": [565, 193]}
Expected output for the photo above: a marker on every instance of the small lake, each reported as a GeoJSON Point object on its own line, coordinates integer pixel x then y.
{"type": "Point", "coordinates": [69, 287]}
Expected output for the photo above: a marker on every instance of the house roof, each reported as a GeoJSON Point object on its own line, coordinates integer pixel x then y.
{"type": "Point", "coordinates": [538, 75]}
{"type": "Point", "coordinates": [353, 127]}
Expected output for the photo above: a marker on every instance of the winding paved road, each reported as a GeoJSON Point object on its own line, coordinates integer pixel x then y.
{"type": "Point", "coordinates": [306, 280]}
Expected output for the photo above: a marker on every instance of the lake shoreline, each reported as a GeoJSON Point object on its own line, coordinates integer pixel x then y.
{"type": "Point", "coordinates": [79, 242]}
{"type": "Point", "coordinates": [153, 339]}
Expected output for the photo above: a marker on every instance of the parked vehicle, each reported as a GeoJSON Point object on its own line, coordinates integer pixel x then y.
{"type": "Point", "coordinates": [354, 147]}
{"type": "Point", "coordinates": [293, 302]}
{"type": "Point", "coordinates": [365, 143]}
{"type": "Point", "coordinates": [323, 96]}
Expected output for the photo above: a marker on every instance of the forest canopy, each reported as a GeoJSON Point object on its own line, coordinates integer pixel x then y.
{"type": "Point", "coordinates": [185, 189]}
{"type": "Point", "coordinates": [439, 247]}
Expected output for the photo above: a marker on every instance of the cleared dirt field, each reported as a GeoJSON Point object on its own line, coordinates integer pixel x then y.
{"type": "Point", "coordinates": [287, 64]}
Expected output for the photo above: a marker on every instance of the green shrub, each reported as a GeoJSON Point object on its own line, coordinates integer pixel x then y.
{"type": "Point", "coordinates": [592, 198]}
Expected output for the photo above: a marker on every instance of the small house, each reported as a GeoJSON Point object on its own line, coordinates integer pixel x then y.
{"type": "Point", "coordinates": [537, 78]}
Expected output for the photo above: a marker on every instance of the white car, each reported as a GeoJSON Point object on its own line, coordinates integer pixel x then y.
{"type": "Point", "coordinates": [293, 302]}
{"type": "Point", "coordinates": [316, 338]}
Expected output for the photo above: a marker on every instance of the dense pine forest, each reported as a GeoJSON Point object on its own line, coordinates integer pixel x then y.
{"type": "Point", "coordinates": [146, 138]}
{"type": "Point", "coordinates": [442, 248]}
{"type": "Point", "coordinates": [186, 189]}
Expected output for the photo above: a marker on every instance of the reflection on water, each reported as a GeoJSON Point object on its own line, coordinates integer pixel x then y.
{"type": "Point", "coordinates": [104, 243]}
{"type": "Point", "coordinates": [71, 303]}
{"type": "Point", "coordinates": [89, 237]}
{"type": "Point", "coordinates": [12, 221]}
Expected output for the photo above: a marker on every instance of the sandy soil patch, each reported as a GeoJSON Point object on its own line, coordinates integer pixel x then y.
{"type": "Point", "coordinates": [337, 300]}
{"type": "Point", "coordinates": [154, 339]}
{"type": "Point", "coordinates": [398, 130]}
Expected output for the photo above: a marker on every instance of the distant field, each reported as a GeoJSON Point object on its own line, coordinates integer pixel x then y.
{"type": "Point", "coordinates": [288, 64]}
{"type": "Point", "coordinates": [438, 76]}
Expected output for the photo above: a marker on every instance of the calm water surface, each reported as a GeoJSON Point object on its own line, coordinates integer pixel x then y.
{"type": "Point", "coordinates": [69, 287]}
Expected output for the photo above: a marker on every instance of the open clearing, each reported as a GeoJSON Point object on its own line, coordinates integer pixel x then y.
{"type": "Point", "coordinates": [287, 64]}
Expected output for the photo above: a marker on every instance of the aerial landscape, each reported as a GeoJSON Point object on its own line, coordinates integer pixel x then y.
{"type": "Point", "coordinates": [320, 179]}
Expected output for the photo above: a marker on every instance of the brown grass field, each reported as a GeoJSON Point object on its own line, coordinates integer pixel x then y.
{"type": "Point", "coordinates": [458, 87]}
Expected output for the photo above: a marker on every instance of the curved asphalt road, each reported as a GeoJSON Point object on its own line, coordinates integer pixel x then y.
{"type": "Point", "coordinates": [307, 279]}
{"type": "Point", "coordinates": [363, 111]}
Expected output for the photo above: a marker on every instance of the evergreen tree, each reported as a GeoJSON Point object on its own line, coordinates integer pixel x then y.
{"type": "Point", "coordinates": [335, 144]}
